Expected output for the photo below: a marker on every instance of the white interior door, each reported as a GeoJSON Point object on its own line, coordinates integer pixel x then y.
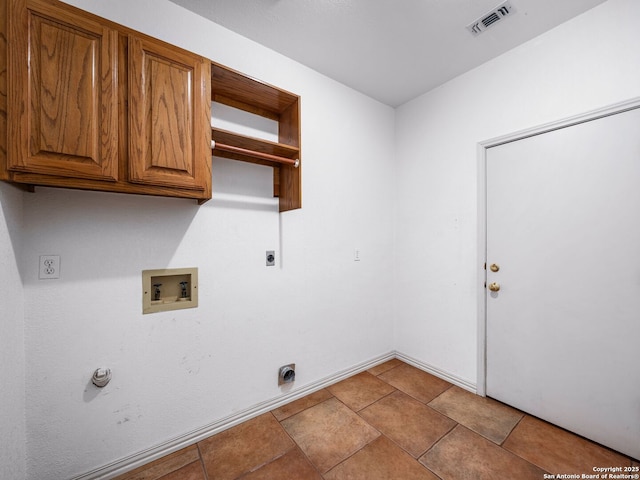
{"type": "Point", "coordinates": [563, 226]}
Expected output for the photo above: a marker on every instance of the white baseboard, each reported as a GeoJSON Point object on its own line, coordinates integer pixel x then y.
{"type": "Point", "coordinates": [449, 377]}
{"type": "Point", "coordinates": [134, 461]}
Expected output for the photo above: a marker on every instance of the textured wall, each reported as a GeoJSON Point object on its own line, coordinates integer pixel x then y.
{"type": "Point", "coordinates": [12, 356]}
{"type": "Point", "coordinates": [584, 64]}
{"type": "Point", "coordinates": [178, 371]}
{"type": "Point", "coordinates": [175, 372]}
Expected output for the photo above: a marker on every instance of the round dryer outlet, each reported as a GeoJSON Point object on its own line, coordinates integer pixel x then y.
{"type": "Point", "coordinates": [287, 374]}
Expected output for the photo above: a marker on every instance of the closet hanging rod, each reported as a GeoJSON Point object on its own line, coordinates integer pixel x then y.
{"type": "Point", "coordinates": [263, 156]}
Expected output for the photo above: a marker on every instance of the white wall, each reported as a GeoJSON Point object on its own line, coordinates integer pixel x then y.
{"type": "Point", "coordinates": [175, 372]}
{"type": "Point", "coordinates": [589, 62]}
{"type": "Point", "coordinates": [178, 371]}
{"type": "Point", "coordinates": [12, 357]}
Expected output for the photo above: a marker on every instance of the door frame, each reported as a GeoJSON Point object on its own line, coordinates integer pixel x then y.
{"type": "Point", "coordinates": [482, 147]}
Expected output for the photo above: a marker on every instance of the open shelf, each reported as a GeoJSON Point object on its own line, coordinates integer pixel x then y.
{"type": "Point", "coordinates": [237, 90]}
{"type": "Point", "coordinates": [256, 145]}
{"type": "Point", "coordinates": [240, 91]}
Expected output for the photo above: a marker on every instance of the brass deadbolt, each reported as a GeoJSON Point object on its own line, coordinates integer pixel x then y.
{"type": "Point", "coordinates": [494, 267]}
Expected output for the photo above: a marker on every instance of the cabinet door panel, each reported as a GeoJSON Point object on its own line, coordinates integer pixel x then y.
{"type": "Point", "coordinates": [63, 93]}
{"type": "Point", "coordinates": [169, 116]}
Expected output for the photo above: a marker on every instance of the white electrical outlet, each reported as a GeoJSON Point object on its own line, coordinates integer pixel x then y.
{"type": "Point", "coordinates": [49, 267]}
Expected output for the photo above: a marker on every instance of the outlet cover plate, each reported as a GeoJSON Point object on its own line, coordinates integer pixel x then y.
{"type": "Point", "coordinates": [49, 267]}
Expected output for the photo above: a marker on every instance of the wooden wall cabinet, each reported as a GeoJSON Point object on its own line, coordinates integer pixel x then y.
{"type": "Point", "coordinates": [169, 141]}
{"type": "Point", "coordinates": [234, 89]}
{"type": "Point", "coordinates": [86, 103]}
{"type": "Point", "coordinates": [62, 94]}
{"type": "Point", "coordinates": [93, 105]}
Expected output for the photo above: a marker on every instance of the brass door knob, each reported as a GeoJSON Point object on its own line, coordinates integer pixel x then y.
{"type": "Point", "coordinates": [494, 287]}
{"type": "Point", "coordinates": [494, 267]}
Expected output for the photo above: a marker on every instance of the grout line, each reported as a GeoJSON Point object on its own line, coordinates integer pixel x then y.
{"type": "Point", "coordinates": [588, 440]}
{"type": "Point", "coordinates": [509, 452]}
{"type": "Point", "coordinates": [202, 464]}
{"type": "Point", "coordinates": [357, 450]}
{"type": "Point", "coordinates": [388, 369]}
{"type": "Point", "coordinates": [305, 408]}
{"type": "Point", "coordinates": [439, 440]}
{"type": "Point", "coordinates": [296, 446]}
{"type": "Point", "coordinates": [512, 430]}
{"type": "Point", "coordinates": [437, 396]}
{"type": "Point", "coordinates": [381, 398]}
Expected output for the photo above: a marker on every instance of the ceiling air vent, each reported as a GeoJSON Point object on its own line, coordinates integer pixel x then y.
{"type": "Point", "coordinates": [491, 18]}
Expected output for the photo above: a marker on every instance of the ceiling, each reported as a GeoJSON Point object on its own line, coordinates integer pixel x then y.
{"type": "Point", "coordinates": [391, 50]}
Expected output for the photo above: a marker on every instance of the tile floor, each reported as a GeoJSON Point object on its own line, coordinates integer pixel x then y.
{"type": "Point", "coordinates": [392, 422]}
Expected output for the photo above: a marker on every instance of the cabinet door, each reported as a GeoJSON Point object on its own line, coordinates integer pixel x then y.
{"type": "Point", "coordinates": [169, 122]}
{"type": "Point", "coordinates": [62, 89]}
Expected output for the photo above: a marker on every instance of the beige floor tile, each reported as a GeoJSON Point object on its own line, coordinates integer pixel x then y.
{"type": "Point", "coordinates": [380, 460]}
{"type": "Point", "coordinates": [383, 367]}
{"type": "Point", "coordinates": [360, 390]}
{"type": "Point", "coordinates": [302, 404]}
{"type": "Point", "coordinates": [244, 448]}
{"type": "Point", "coordinates": [164, 465]}
{"type": "Point", "coordinates": [329, 432]}
{"type": "Point", "coordinates": [292, 465]}
{"type": "Point", "coordinates": [485, 416]}
{"type": "Point", "coordinates": [465, 455]}
{"type": "Point", "coordinates": [193, 471]}
{"type": "Point", "coordinates": [408, 422]}
{"type": "Point", "coordinates": [557, 450]}
{"type": "Point", "coordinates": [419, 384]}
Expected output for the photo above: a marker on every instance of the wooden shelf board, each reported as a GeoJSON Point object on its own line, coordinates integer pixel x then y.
{"type": "Point", "coordinates": [237, 90]}
{"type": "Point", "coordinates": [256, 144]}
